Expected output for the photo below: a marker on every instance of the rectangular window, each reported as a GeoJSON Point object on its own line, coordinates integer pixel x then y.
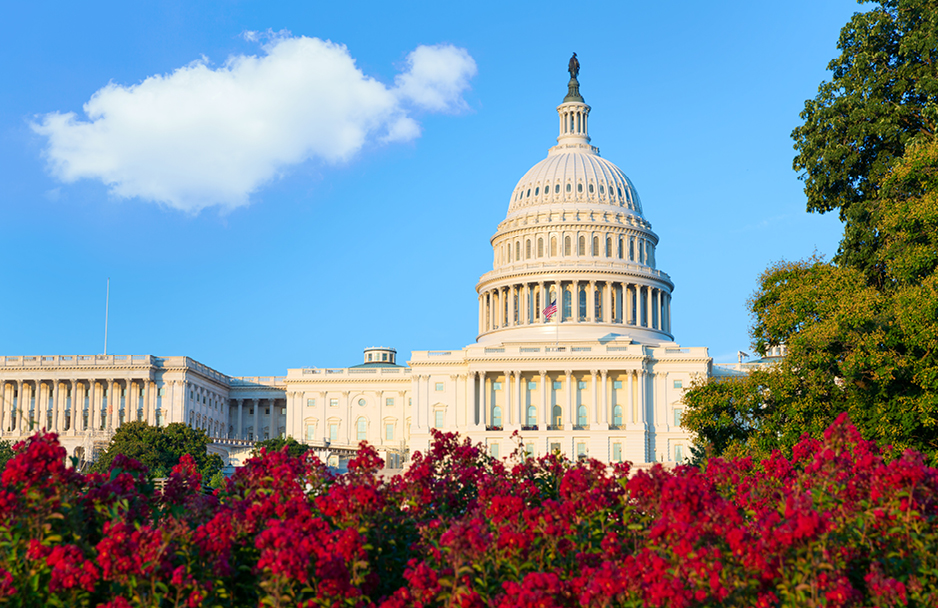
{"type": "Point", "coordinates": [162, 392]}
{"type": "Point", "coordinates": [678, 412]}
{"type": "Point", "coordinates": [310, 403]}
{"type": "Point", "coordinates": [529, 450]}
{"type": "Point", "coordinates": [389, 402]}
{"type": "Point", "coordinates": [581, 450]}
{"type": "Point", "coordinates": [497, 386]}
{"type": "Point", "coordinates": [333, 403]}
{"type": "Point", "coordinates": [439, 386]}
{"type": "Point", "coordinates": [532, 386]}
{"type": "Point", "coordinates": [616, 384]}
{"type": "Point", "coordinates": [310, 432]}
{"type": "Point", "coordinates": [283, 411]}
{"type": "Point", "coordinates": [389, 432]}
{"type": "Point", "coordinates": [558, 386]}
{"type": "Point", "coordinates": [555, 448]}
{"type": "Point", "coordinates": [678, 453]}
{"type": "Point", "coordinates": [493, 450]}
{"type": "Point", "coordinates": [678, 384]}
{"type": "Point", "coordinates": [581, 384]}
{"type": "Point", "coordinates": [617, 452]}
{"type": "Point", "coordinates": [438, 419]}
{"type": "Point", "coordinates": [333, 431]}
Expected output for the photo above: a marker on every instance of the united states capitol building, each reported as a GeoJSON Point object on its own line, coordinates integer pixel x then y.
{"type": "Point", "coordinates": [602, 377]}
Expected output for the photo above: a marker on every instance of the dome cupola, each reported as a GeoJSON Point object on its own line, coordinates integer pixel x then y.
{"type": "Point", "coordinates": [575, 234]}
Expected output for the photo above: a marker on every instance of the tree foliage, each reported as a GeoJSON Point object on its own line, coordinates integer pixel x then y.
{"type": "Point", "coordinates": [160, 448]}
{"type": "Point", "coordinates": [294, 448]}
{"type": "Point", "coordinates": [866, 347]}
{"type": "Point", "coordinates": [861, 331]}
{"type": "Point", "coordinates": [882, 92]}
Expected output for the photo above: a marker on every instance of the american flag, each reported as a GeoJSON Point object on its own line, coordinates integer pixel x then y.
{"type": "Point", "coordinates": [551, 310]}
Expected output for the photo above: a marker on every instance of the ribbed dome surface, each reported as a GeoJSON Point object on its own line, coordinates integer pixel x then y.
{"type": "Point", "coordinates": [576, 176]}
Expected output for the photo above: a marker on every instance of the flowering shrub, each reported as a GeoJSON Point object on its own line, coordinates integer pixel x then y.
{"type": "Point", "coordinates": [834, 525]}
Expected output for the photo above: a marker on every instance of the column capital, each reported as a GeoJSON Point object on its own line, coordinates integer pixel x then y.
{"type": "Point", "coordinates": [604, 373]}
{"type": "Point", "coordinates": [542, 372]}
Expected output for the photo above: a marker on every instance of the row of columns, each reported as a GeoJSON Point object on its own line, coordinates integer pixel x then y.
{"type": "Point", "coordinates": [209, 416]}
{"type": "Point", "coordinates": [497, 306]}
{"type": "Point", "coordinates": [599, 407]}
{"type": "Point", "coordinates": [240, 432]}
{"type": "Point", "coordinates": [18, 398]}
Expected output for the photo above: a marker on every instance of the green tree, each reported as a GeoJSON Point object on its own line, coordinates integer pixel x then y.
{"type": "Point", "coordinates": [882, 93]}
{"type": "Point", "coordinates": [6, 453]}
{"type": "Point", "coordinates": [870, 349]}
{"type": "Point", "coordinates": [275, 444]}
{"type": "Point", "coordinates": [160, 448]}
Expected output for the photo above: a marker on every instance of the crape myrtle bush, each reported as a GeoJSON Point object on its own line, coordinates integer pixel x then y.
{"type": "Point", "coordinates": [834, 525]}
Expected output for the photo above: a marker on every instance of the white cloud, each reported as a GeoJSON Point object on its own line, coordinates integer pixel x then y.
{"type": "Point", "coordinates": [205, 136]}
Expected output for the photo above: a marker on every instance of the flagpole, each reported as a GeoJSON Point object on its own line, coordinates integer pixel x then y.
{"type": "Point", "coordinates": [107, 300]}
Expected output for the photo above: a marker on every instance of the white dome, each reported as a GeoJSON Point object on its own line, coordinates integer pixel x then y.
{"type": "Point", "coordinates": [579, 177]}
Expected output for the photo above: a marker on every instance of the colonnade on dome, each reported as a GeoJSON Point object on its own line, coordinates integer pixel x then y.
{"type": "Point", "coordinates": [593, 301]}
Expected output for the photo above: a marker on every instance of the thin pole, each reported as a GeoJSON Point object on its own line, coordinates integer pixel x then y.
{"type": "Point", "coordinates": [107, 301]}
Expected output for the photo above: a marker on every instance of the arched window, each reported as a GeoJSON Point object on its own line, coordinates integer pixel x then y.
{"type": "Point", "coordinates": [598, 305]}
{"type": "Point", "coordinates": [581, 415]}
{"type": "Point", "coordinates": [497, 416]}
{"type": "Point", "coordinates": [540, 247]}
{"type": "Point", "coordinates": [567, 304]}
{"type": "Point", "coordinates": [602, 189]}
{"type": "Point", "coordinates": [581, 245]}
{"type": "Point", "coordinates": [566, 245]}
{"type": "Point", "coordinates": [608, 246]}
{"type": "Point", "coordinates": [617, 415]}
{"type": "Point", "coordinates": [620, 248]}
{"type": "Point", "coordinates": [527, 249]}
{"type": "Point", "coordinates": [579, 187]}
{"type": "Point", "coordinates": [553, 246]}
{"type": "Point", "coordinates": [537, 191]}
{"type": "Point", "coordinates": [595, 245]}
{"type": "Point", "coordinates": [631, 249]}
{"type": "Point", "coordinates": [641, 251]}
{"type": "Point", "coordinates": [568, 187]}
{"type": "Point", "coordinates": [591, 188]}
{"type": "Point", "coordinates": [556, 188]}
{"type": "Point", "coordinates": [517, 251]}
{"type": "Point", "coordinates": [362, 425]}
{"type": "Point", "coordinates": [532, 415]}
{"type": "Point", "coordinates": [557, 416]}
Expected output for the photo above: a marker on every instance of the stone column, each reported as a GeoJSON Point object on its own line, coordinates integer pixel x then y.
{"type": "Point", "coordinates": [4, 407]}
{"type": "Point", "coordinates": [483, 401]}
{"type": "Point", "coordinates": [604, 409]}
{"type": "Point", "coordinates": [507, 417]}
{"type": "Point", "coordinates": [481, 314]}
{"type": "Point", "coordinates": [596, 407]}
{"type": "Point", "coordinates": [559, 292]}
{"type": "Point", "coordinates": [591, 304]}
{"type": "Point", "coordinates": [607, 296]}
{"type": "Point", "coordinates": [545, 403]}
{"type": "Point", "coordinates": [520, 392]}
{"type": "Point", "coordinates": [539, 310]}
{"type": "Point", "coordinates": [471, 418]}
{"type": "Point", "coordinates": [648, 305]}
{"type": "Point", "coordinates": [255, 434]}
{"type": "Point", "coordinates": [239, 430]}
{"type": "Point", "coordinates": [510, 321]}
{"type": "Point", "coordinates": [568, 419]}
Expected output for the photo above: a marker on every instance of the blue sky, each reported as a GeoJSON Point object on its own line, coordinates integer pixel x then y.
{"type": "Point", "coordinates": [300, 249]}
